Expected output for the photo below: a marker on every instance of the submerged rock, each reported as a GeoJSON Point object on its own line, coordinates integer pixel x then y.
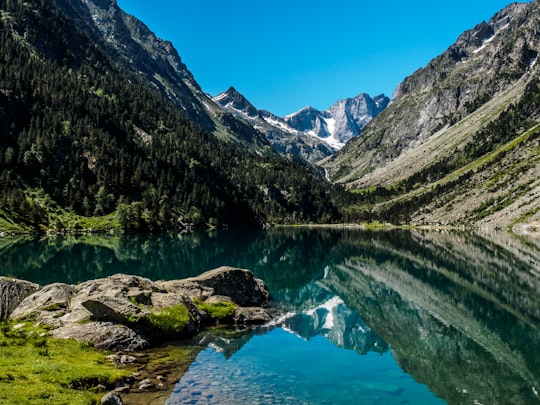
{"type": "Point", "coordinates": [124, 312]}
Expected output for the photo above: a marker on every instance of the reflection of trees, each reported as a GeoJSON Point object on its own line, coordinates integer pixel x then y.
{"type": "Point", "coordinates": [460, 315]}
{"type": "Point", "coordinates": [284, 258]}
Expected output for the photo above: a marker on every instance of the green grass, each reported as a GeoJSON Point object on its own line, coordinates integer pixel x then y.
{"type": "Point", "coordinates": [217, 310]}
{"type": "Point", "coordinates": [170, 320]}
{"type": "Point", "coordinates": [37, 369]}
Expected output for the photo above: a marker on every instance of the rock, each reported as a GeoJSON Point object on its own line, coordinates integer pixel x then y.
{"type": "Point", "coordinates": [118, 310]}
{"type": "Point", "coordinates": [51, 301]}
{"type": "Point", "coordinates": [122, 388]}
{"type": "Point", "coordinates": [120, 358]}
{"type": "Point", "coordinates": [239, 285]}
{"type": "Point", "coordinates": [147, 385]}
{"type": "Point", "coordinates": [118, 285]}
{"type": "Point", "coordinates": [251, 316]}
{"type": "Point", "coordinates": [12, 293]}
{"type": "Point", "coordinates": [113, 313]}
{"type": "Point", "coordinates": [104, 336]}
{"type": "Point", "coordinates": [186, 288]}
{"type": "Point", "coordinates": [112, 398]}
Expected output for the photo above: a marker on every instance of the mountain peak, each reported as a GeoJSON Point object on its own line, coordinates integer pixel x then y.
{"type": "Point", "coordinates": [233, 99]}
{"type": "Point", "coordinates": [344, 120]}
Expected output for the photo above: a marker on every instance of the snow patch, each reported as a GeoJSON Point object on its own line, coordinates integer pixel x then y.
{"type": "Point", "coordinates": [490, 39]}
{"type": "Point", "coordinates": [533, 61]}
{"type": "Point", "coordinates": [279, 124]}
{"type": "Point", "coordinates": [220, 97]}
{"type": "Point", "coordinates": [330, 125]}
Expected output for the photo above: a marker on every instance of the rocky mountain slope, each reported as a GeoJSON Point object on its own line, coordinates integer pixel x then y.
{"type": "Point", "coordinates": [283, 138]}
{"type": "Point", "coordinates": [457, 144]}
{"type": "Point", "coordinates": [158, 62]}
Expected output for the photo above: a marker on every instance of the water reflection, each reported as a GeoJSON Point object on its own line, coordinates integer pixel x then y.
{"type": "Point", "coordinates": [461, 316]}
{"type": "Point", "coordinates": [458, 312]}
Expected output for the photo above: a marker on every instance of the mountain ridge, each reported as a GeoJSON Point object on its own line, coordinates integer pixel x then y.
{"type": "Point", "coordinates": [140, 49]}
{"type": "Point", "coordinates": [309, 133]}
{"type": "Point", "coordinates": [285, 139]}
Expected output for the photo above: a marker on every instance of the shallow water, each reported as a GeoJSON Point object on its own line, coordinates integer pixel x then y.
{"type": "Point", "coordinates": [384, 317]}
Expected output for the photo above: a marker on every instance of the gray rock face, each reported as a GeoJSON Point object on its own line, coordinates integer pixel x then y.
{"type": "Point", "coordinates": [51, 298]}
{"type": "Point", "coordinates": [115, 313]}
{"type": "Point", "coordinates": [12, 293]}
{"type": "Point", "coordinates": [343, 121]}
{"type": "Point", "coordinates": [116, 310]}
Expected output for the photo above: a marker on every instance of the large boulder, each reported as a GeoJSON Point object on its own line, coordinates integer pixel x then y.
{"type": "Point", "coordinates": [104, 336]}
{"type": "Point", "coordinates": [12, 293]}
{"type": "Point", "coordinates": [118, 310]}
{"type": "Point", "coordinates": [47, 304]}
{"type": "Point", "coordinates": [239, 285]}
{"type": "Point", "coordinates": [121, 293]}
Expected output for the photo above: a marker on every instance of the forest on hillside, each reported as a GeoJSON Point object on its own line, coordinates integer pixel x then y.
{"type": "Point", "coordinates": [83, 133]}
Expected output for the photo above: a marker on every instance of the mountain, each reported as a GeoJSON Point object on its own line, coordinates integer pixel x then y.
{"type": "Point", "coordinates": [130, 42]}
{"type": "Point", "coordinates": [457, 144]}
{"type": "Point", "coordinates": [283, 138]}
{"type": "Point", "coordinates": [103, 127]}
{"type": "Point", "coordinates": [342, 121]}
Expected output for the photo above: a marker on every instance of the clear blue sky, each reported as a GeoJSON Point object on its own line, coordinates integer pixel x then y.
{"type": "Point", "coordinates": [286, 54]}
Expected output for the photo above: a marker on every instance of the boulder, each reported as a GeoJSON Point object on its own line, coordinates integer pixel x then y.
{"type": "Point", "coordinates": [12, 293]}
{"type": "Point", "coordinates": [48, 305]}
{"type": "Point", "coordinates": [147, 385]}
{"type": "Point", "coordinates": [118, 285]}
{"type": "Point", "coordinates": [104, 336]}
{"type": "Point", "coordinates": [118, 310]}
{"type": "Point", "coordinates": [115, 298]}
{"type": "Point", "coordinates": [251, 316]}
{"type": "Point", "coordinates": [239, 285]}
{"type": "Point", "coordinates": [112, 398]}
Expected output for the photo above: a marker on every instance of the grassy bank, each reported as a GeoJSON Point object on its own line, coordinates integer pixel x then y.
{"type": "Point", "coordinates": [37, 369]}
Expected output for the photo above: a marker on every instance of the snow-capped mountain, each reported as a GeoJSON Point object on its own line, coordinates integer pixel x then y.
{"type": "Point", "coordinates": [284, 138]}
{"type": "Point", "coordinates": [308, 133]}
{"type": "Point", "coordinates": [342, 121]}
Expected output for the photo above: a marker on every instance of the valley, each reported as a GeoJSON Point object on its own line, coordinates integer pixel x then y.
{"type": "Point", "coordinates": [106, 129]}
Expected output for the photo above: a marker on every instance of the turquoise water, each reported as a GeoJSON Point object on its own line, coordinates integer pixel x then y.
{"type": "Point", "coordinates": [282, 368]}
{"type": "Point", "coordinates": [369, 317]}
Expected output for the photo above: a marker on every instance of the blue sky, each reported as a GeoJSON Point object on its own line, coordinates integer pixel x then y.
{"type": "Point", "coordinates": [286, 54]}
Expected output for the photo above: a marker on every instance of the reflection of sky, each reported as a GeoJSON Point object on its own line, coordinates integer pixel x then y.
{"type": "Point", "coordinates": [280, 367]}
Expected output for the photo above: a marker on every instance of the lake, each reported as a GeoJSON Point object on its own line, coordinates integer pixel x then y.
{"type": "Point", "coordinates": [387, 317]}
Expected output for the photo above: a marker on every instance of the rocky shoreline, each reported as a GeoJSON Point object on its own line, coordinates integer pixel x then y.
{"type": "Point", "coordinates": [127, 314]}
